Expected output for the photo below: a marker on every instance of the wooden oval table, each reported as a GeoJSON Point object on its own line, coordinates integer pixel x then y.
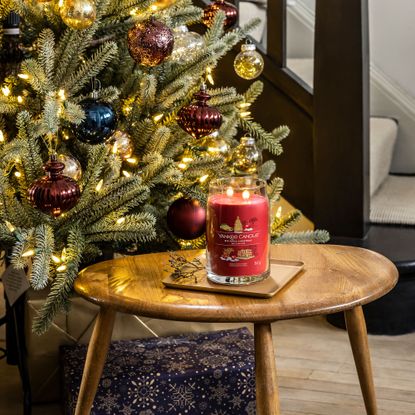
{"type": "Point", "coordinates": [335, 278]}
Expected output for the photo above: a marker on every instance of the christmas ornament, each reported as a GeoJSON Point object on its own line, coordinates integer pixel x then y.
{"type": "Point", "coordinates": [150, 42]}
{"type": "Point", "coordinates": [54, 193]}
{"type": "Point", "coordinates": [248, 63]}
{"type": "Point", "coordinates": [72, 168]}
{"type": "Point", "coordinates": [246, 157]}
{"type": "Point", "coordinates": [186, 218]}
{"type": "Point", "coordinates": [99, 123]}
{"type": "Point", "coordinates": [199, 119]}
{"type": "Point", "coordinates": [214, 145]}
{"type": "Point", "coordinates": [186, 45]}
{"type": "Point", "coordinates": [231, 13]}
{"type": "Point", "coordinates": [121, 144]}
{"type": "Point", "coordinates": [78, 14]}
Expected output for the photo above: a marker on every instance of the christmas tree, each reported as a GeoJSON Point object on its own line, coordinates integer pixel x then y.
{"type": "Point", "coordinates": [110, 99]}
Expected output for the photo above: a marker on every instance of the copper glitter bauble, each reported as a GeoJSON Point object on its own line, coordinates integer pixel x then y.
{"type": "Point", "coordinates": [199, 119]}
{"type": "Point", "coordinates": [54, 193]}
{"type": "Point", "coordinates": [231, 13]}
{"type": "Point", "coordinates": [186, 218]}
{"type": "Point", "coordinates": [150, 42]}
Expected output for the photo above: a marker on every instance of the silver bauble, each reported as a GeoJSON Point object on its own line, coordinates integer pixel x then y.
{"type": "Point", "coordinates": [72, 168]}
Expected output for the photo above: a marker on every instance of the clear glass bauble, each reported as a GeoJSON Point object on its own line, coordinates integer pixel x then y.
{"type": "Point", "coordinates": [121, 144]}
{"type": "Point", "coordinates": [78, 14]}
{"type": "Point", "coordinates": [246, 157]}
{"type": "Point", "coordinates": [186, 45]}
{"type": "Point", "coordinates": [214, 145]}
{"type": "Point", "coordinates": [248, 63]}
{"type": "Point", "coordinates": [72, 168]}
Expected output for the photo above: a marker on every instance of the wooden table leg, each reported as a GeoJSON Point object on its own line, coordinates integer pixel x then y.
{"type": "Point", "coordinates": [95, 360]}
{"type": "Point", "coordinates": [265, 371]}
{"type": "Point", "coordinates": [356, 328]}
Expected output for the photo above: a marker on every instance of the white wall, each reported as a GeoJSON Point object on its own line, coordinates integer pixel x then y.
{"type": "Point", "coordinates": [392, 32]}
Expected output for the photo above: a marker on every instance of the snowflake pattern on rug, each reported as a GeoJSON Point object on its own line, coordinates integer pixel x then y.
{"type": "Point", "coordinates": [195, 374]}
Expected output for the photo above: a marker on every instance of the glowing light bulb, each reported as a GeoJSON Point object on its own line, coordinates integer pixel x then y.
{"type": "Point", "coordinates": [10, 227]}
{"type": "Point", "coordinates": [28, 253]}
{"type": "Point", "coordinates": [229, 192]}
{"type": "Point", "coordinates": [279, 212]}
{"type": "Point", "coordinates": [209, 76]}
{"type": "Point", "coordinates": [20, 99]}
{"type": "Point", "coordinates": [56, 259]}
{"type": "Point", "coordinates": [99, 185]}
{"type": "Point", "coordinates": [1, 136]}
{"type": "Point", "coordinates": [158, 117]}
{"type": "Point", "coordinates": [182, 166]}
{"type": "Point", "coordinates": [18, 174]}
{"type": "Point", "coordinates": [61, 268]}
{"type": "Point", "coordinates": [120, 220]}
{"type": "Point", "coordinates": [245, 194]}
{"type": "Point", "coordinates": [126, 173]}
{"type": "Point", "coordinates": [203, 178]}
{"type": "Point", "coordinates": [23, 76]}
{"type": "Point", "coordinates": [6, 90]}
{"type": "Point", "coordinates": [61, 94]}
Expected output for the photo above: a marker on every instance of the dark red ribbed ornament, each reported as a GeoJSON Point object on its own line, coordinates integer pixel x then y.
{"type": "Point", "coordinates": [186, 218]}
{"type": "Point", "coordinates": [231, 13]}
{"type": "Point", "coordinates": [199, 119]}
{"type": "Point", "coordinates": [54, 193]}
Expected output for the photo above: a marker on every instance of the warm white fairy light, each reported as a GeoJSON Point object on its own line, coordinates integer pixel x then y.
{"type": "Point", "coordinates": [132, 160]}
{"type": "Point", "coordinates": [246, 195]}
{"type": "Point", "coordinates": [99, 185]}
{"type": "Point", "coordinates": [157, 117]}
{"type": "Point", "coordinates": [1, 136]}
{"type": "Point", "coordinates": [245, 114]}
{"type": "Point", "coordinates": [120, 221]}
{"type": "Point", "coordinates": [23, 76]}
{"type": "Point", "coordinates": [187, 159]}
{"type": "Point", "coordinates": [20, 99]}
{"type": "Point", "coordinates": [10, 227]}
{"type": "Point", "coordinates": [18, 174]}
{"type": "Point", "coordinates": [56, 259]}
{"type": "Point", "coordinates": [6, 91]}
{"type": "Point", "coordinates": [182, 166]}
{"type": "Point", "coordinates": [61, 268]}
{"type": "Point", "coordinates": [279, 212]}
{"type": "Point", "coordinates": [209, 76]}
{"type": "Point", "coordinates": [229, 192]}
{"type": "Point", "coordinates": [126, 173]}
{"type": "Point", "coordinates": [203, 178]}
{"type": "Point", "coordinates": [244, 105]}
{"type": "Point", "coordinates": [61, 94]}
{"type": "Point", "coordinates": [28, 253]}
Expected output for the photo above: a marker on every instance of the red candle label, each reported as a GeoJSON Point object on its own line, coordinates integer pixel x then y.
{"type": "Point", "coordinates": [238, 235]}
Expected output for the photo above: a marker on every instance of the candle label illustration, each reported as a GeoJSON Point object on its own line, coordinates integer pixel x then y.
{"type": "Point", "coordinates": [238, 236]}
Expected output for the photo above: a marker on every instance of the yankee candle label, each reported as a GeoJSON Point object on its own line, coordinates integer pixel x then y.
{"type": "Point", "coordinates": [238, 237]}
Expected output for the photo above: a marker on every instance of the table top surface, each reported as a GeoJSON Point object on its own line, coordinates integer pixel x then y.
{"type": "Point", "coordinates": [335, 278]}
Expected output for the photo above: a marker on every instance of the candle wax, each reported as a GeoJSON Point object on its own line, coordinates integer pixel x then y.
{"type": "Point", "coordinates": [238, 235]}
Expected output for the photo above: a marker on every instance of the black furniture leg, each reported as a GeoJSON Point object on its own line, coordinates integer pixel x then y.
{"type": "Point", "coordinates": [16, 348]}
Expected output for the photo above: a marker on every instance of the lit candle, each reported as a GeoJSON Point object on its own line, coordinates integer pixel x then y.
{"type": "Point", "coordinates": [238, 231]}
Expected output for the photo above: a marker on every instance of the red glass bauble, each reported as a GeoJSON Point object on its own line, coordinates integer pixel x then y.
{"type": "Point", "coordinates": [150, 42]}
{"type": "Point", "coordinates": [199, 119]}
{"type": "Point", "coordinates": [186, 218]}
{"type": "Point", "coordinates": [54, 193]}
{"type": "Point", "coordinates": [231, 13]}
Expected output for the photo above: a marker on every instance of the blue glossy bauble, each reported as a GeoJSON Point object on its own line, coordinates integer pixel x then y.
{"type": "Point", "coordinates": [99, 124]}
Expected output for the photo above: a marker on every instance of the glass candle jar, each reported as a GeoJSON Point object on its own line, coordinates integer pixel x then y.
{"type": "Point", "coordinates": [238, 231]}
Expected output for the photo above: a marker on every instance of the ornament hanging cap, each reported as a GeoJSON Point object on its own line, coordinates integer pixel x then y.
{"type": "Point", "coordinates": [202, 96]}
{"type": "Point", "coordinates": [54, 167]}
{"type": "Point", "coordinates": [248, 140]}
{"type": "Point", "coordinates": [248, 47]}
{"type": "Point", "coordinates": [96, 87]}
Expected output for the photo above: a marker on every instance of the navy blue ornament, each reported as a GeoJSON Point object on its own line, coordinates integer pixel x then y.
{"type": "Point", "coordinates": [99, 124]}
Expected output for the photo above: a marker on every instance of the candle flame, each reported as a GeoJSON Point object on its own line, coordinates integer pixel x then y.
{"type": "Point", "coordinates": [245, 194]}
{"type": "Point", "coordinates": [229, 192]}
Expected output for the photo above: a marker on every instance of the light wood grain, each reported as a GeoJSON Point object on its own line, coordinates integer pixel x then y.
{"type": "Point", "coordinates": [335, 278]}
{"type": "Point", "coordinates": [95, 360]}
{"type": "Point", "coordinates": [267, 402]}
{"type": "Point", "coordinates": [356, 328]}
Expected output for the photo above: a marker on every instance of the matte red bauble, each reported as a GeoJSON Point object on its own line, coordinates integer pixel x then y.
{"type": "Point", "coordinates": [231, 13]}
{"type": "Point", "coordinates": [186, 218]}
{"type": "Point", "coordinates": [199, 119]}
{"type": "Point", "coordinates": [54, 193]}
{"type": "Point", "coordinates": [150, 42]}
